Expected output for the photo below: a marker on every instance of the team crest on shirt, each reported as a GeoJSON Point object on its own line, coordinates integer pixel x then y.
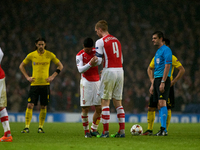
{"type": "Point", "coordinates": [33, 63]}
{"type": "Point", "coordinates": [84, 101]}
{"type": "Point", "coordinates": [96, 47]}
{"type": "Point", "coordinates": [158, 60]}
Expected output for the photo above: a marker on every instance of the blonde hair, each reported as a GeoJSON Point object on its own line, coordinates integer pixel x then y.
{"type": "Point", "coordinates": [102, 24]}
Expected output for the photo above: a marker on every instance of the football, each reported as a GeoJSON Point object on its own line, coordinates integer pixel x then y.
{"type": "Point", "coordinates": [136, 129]}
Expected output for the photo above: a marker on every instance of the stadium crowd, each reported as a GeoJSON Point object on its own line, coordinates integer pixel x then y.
{"type": "Point", "coordinates": [65, 23]}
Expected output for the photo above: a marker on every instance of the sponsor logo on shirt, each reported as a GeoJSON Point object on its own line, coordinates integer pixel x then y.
{"type": "Point", "coordinates": [40, 63]}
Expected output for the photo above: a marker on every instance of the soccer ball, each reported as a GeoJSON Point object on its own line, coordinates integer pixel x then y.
{"type": "Point", "coordinates": [136, 129]}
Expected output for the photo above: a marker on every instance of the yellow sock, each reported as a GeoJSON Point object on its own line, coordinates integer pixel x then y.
{"type": "Point", "coordinates": [42, 117]}
{"type": "Point", "coordinates": [169, 118]}
{"type": "Point", "coordinates": [150, 119]}
{"type": "Point", "coordinates": [97, 121]}
{"type": "Point", "coordinates": [28, 117]}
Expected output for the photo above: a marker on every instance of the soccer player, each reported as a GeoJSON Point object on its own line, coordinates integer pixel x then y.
{"type": "Point", "coordinates": [40, 81]}
{"type": "Point", "coordinates": [3, 103]}
{"type": "Point", "coordinates": [89, 86]}
{"type": "Point", "coordinates": [160, 84]}
{"type": "Point", "coordinates": [171, 101]}
{"type": "Point", "coordinates": [108, 47]}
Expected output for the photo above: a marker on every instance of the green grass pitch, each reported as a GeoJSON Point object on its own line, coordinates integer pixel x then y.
{"type": "Point", "coordinates": [70, 136]}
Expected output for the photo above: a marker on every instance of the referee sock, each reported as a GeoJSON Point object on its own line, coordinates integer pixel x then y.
{"type": "Point", "coordinates": [150, 119]}
{"type": "Point", "coordinates": [42, 117]}
{"type": "Point", "coordinates": [5, 122]}
{"type": "Point", "coordinates": [169, 118]}
{"type": "Point", "coordinates": [28, 117]}
{"type": "Point", "coordinates": [163, 116]}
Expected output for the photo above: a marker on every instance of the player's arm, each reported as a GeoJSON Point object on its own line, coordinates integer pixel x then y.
{"type": "Point", "coordinates": [179, 75]}
{"type": "Point", "coordinates": [83, 68]}
{"type": "Point", "coordinates": [150, 74]}
{"type": "Point", "coordinates": [23, 70]}
{"type": "Point", "coordinates": [58, 70]}
{"type": "Point", "coordinates": [99, 50]}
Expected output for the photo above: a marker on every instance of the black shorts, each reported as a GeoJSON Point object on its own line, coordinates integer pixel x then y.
{"type": "Point", "coordinates": [170, 101]}
{"type": "Point", "coordinates": [41, 93]}
{"type": "Point", "coordinates": [157, 95]}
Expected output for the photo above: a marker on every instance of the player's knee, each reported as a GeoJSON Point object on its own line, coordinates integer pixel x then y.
{"type": "Point", "coordinates": [30, 105]}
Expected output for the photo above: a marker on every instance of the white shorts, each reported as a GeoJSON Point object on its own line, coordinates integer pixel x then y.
{"type": "Point", "coordinates": [88, 92]}
{"type": "Point", "coordinates": [3, 96]}
{"type": "Point", "coordinates": [112, 81]}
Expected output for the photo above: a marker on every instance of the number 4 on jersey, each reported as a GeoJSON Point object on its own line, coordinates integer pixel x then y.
{"type": "Point", "coordinates": [115, 49]}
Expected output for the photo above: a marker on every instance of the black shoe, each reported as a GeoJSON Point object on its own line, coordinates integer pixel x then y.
{"type": "Point", "coordinates": [148, 132]}
{"type": "Point", "coordinates": [40, 130]}
{"type": "Point", "coordinates": [25, 130]}
{"type": "Point", "coordinates": [161, 132]}
{"type": "Point", "coordinates": [94, 133]}
{"type": "Point", "coordinates": [88, 135]}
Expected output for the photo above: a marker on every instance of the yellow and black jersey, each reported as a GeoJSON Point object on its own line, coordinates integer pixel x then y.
{"type": "Point", "coordinates": [40, 66]}
{"type": "Point", "coordinates": [175, 63]}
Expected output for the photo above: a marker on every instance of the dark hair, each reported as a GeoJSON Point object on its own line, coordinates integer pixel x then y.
{"type": "Point", "coordinates": [167, 41]}
{"type": "Point", "coordinates": [159, 34]}
{"type": "Point", "coordinates": [88, 42]}
{"type": "Point", "coordinates": [40, 39]}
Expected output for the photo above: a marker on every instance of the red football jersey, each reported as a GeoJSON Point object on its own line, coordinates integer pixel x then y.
{"type": "Point", "coordinates": [82, 60]}
{"type": "Point", "coordinates": [110, 47]}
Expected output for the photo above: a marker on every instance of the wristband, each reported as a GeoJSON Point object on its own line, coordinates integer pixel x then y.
{"type": "Point", "coordinates": [162, 81]}
{"type": "Point", "coordinates": [58, 71]}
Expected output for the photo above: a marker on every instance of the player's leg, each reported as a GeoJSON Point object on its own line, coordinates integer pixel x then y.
{"type": "Point", "coordinates": [32, 100]}
{"type": "Point", "coordinates": [117, 102]}
{"type": "Point", "coordinates": [85, 122]}
{"type": "Point", "coordinates": [170, 104]}
{"type": "Point", "coordinates": [151, 116]}
{"type": "Point", "coordinates": [105, 92]}
{"type": "Point", "coordinates": [150, 120]}
{"type": "Point", "coordinates": [86, 92]}
{"type": "Point", "coordinates": [3, 113]}
{"type": "Point", "coordinates": [44, 100]}
{"type": "Point", "coordinates": [97, 103]}
{"type": "Point", "coordinates": [96, 120]}
{"type": "Point", "coordinates": [105, 117]}
{"type": "Point", "coordinates": [121, 118]}
{"type": "Point", "coordinates": [5, 123]}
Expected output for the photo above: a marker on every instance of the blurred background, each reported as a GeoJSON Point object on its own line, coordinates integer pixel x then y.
{"type": "Point", "coordinates": [66, 23]}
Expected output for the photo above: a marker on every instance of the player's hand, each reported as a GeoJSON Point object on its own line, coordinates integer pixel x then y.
{"type": "Point", "coordinates": [172, 83]}
{"type": "Point", "coordinates": [49, 79]}
{"type": "Point", "coordinates": [162, 87]}
{"type": "Point", "coordinates": [31, 79]}
{"type": "Point", "coordinates": [93, 61]}
{"type": "Point", "coordinates": [151, 89]}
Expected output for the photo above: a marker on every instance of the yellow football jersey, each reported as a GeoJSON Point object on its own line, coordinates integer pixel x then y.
{"type": "Point", "coordinates": [175, 63]}
{"type": "Point", "coordinates": [40, 66]}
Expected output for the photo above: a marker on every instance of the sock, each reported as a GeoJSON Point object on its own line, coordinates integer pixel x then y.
{"type": "Point", "coordinates": [105, 118]}
{"type": "Point", "coordinates": [95, 124]}
{"type": "Point", "coordinates": [42, 117]}
{"type": "Point", "coordinates": [163, 114]}
{"type": "Point", "coordinates": [150, 119]}
{"type": "Point", "coordinates": [121, 118]}
{"type": "Point", "coordinates": [28, 117]}
{"type": "Point", "coordinates": [169, 118]}
{"type": "Point", "coordinates": [5, 122]}
{"type": "Point", "coordinates": [85, 122]}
